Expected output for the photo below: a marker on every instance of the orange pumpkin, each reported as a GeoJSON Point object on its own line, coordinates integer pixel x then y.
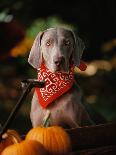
{"type": "Point", "coordinates": [55, 139]}
{"type": "Point", "coordinates": [8, 139]}
{"type": "Point", "coordinates": [26, 147]}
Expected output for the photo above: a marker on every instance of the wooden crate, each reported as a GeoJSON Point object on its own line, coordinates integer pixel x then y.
{"type": "Point", "coordinates": [97, 139]}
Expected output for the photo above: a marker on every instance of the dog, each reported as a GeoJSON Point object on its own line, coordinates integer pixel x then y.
{"type": "Point", "coordinates": [58, 49]}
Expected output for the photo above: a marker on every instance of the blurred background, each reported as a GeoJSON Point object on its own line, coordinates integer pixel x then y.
{"type": "Point", "coordinates": [94, 21]}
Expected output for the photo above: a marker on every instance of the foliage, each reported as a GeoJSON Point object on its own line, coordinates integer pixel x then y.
{"type": "Point", "coordinates": [43, 24]}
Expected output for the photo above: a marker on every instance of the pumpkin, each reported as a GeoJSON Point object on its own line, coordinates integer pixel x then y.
{"type": "Point", "coordinates": [8, 139]}
{"type": "Point", "coordinates": [25, 147]}
{"type": "Point", "coordinates": [55, 139]}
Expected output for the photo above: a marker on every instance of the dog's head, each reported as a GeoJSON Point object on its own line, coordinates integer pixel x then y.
{"type": "Point", "coordinates": [58, 48]}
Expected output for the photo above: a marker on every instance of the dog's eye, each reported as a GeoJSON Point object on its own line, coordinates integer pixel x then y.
{"type": "Point", "coordinates": [48, 43]}
{"type": "Point", "coordinates": [66, 42]}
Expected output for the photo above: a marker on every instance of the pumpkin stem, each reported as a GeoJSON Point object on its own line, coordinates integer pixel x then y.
{"type": "Point", "coordinates": [46, 120]}
{"type": "Point", "coordinates": [13, 135]}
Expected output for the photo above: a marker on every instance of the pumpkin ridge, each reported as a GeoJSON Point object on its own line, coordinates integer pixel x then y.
{"type": "Point", "coordinates": [56, 137]}
{"type": "Point", "coordinates": [43, 135]}
{"type": "Point", "coordinates": [64, 148]}
{"type": "Point", "coordinates": [46, 138]}
{"type": "Point", "coordinates": [52, 143]}
{"type": "Point", "coordinates": [61, 142]}
{"type": "Point", "coordinates": [64, 140]}
{"type": "Point", "coordinates": [68, 142]}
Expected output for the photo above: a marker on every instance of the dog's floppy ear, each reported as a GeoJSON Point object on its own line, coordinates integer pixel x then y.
{"type": "Point", "coordinates": [78, 50]}
{"type": "Point", "coordinates": [35, 56]}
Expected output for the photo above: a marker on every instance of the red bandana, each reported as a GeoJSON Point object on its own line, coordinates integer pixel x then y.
{"type": "Point", "coordinates": [56, 84]}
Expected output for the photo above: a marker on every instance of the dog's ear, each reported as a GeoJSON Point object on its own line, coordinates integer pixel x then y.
{"type": "Point", "coordinates": [78, 50]}
{"type": "Point", "coordinates": [35, 56]}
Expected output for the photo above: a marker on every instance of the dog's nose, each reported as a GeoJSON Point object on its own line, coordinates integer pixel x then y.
{"type": "Point", "coordinates": [59, 61]}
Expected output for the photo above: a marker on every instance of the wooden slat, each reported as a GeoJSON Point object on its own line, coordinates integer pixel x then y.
{"type": "Point", "coordinates": [107, 150]}
{"type": "Point", "coordinates": [93, 136]}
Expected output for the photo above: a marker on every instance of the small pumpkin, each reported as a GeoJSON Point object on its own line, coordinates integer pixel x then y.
{"type": "Point", "coordinates": [55, 139]}
{"type": "Point", "coordinates": [8, 139]}
{"type": "Point", "coordinates": [26, 147]}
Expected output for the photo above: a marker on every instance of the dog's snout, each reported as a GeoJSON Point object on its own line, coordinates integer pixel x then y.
{"type": "Point", "coordinates": [59, 61]}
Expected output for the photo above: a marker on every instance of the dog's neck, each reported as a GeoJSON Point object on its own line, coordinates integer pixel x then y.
{"type": "Point", "coordinates": [56, 85]}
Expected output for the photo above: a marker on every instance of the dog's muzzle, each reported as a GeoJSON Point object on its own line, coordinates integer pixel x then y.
{"type": "Point", "coordinates": [59, 61]}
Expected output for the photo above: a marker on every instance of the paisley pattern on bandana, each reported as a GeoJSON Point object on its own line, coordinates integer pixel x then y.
{"type": "Point", "coordinates": [56, 84]}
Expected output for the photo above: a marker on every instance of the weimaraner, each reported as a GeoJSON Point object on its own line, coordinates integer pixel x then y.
{"type": "Point", "coordinates": [57, 48]}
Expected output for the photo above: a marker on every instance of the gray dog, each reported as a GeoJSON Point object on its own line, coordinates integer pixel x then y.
{"type": "Point", "coordinates": [57, 48]}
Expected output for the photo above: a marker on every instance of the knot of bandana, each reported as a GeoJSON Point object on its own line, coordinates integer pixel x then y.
{"type": "Point", "coordinates": [56, 84]}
